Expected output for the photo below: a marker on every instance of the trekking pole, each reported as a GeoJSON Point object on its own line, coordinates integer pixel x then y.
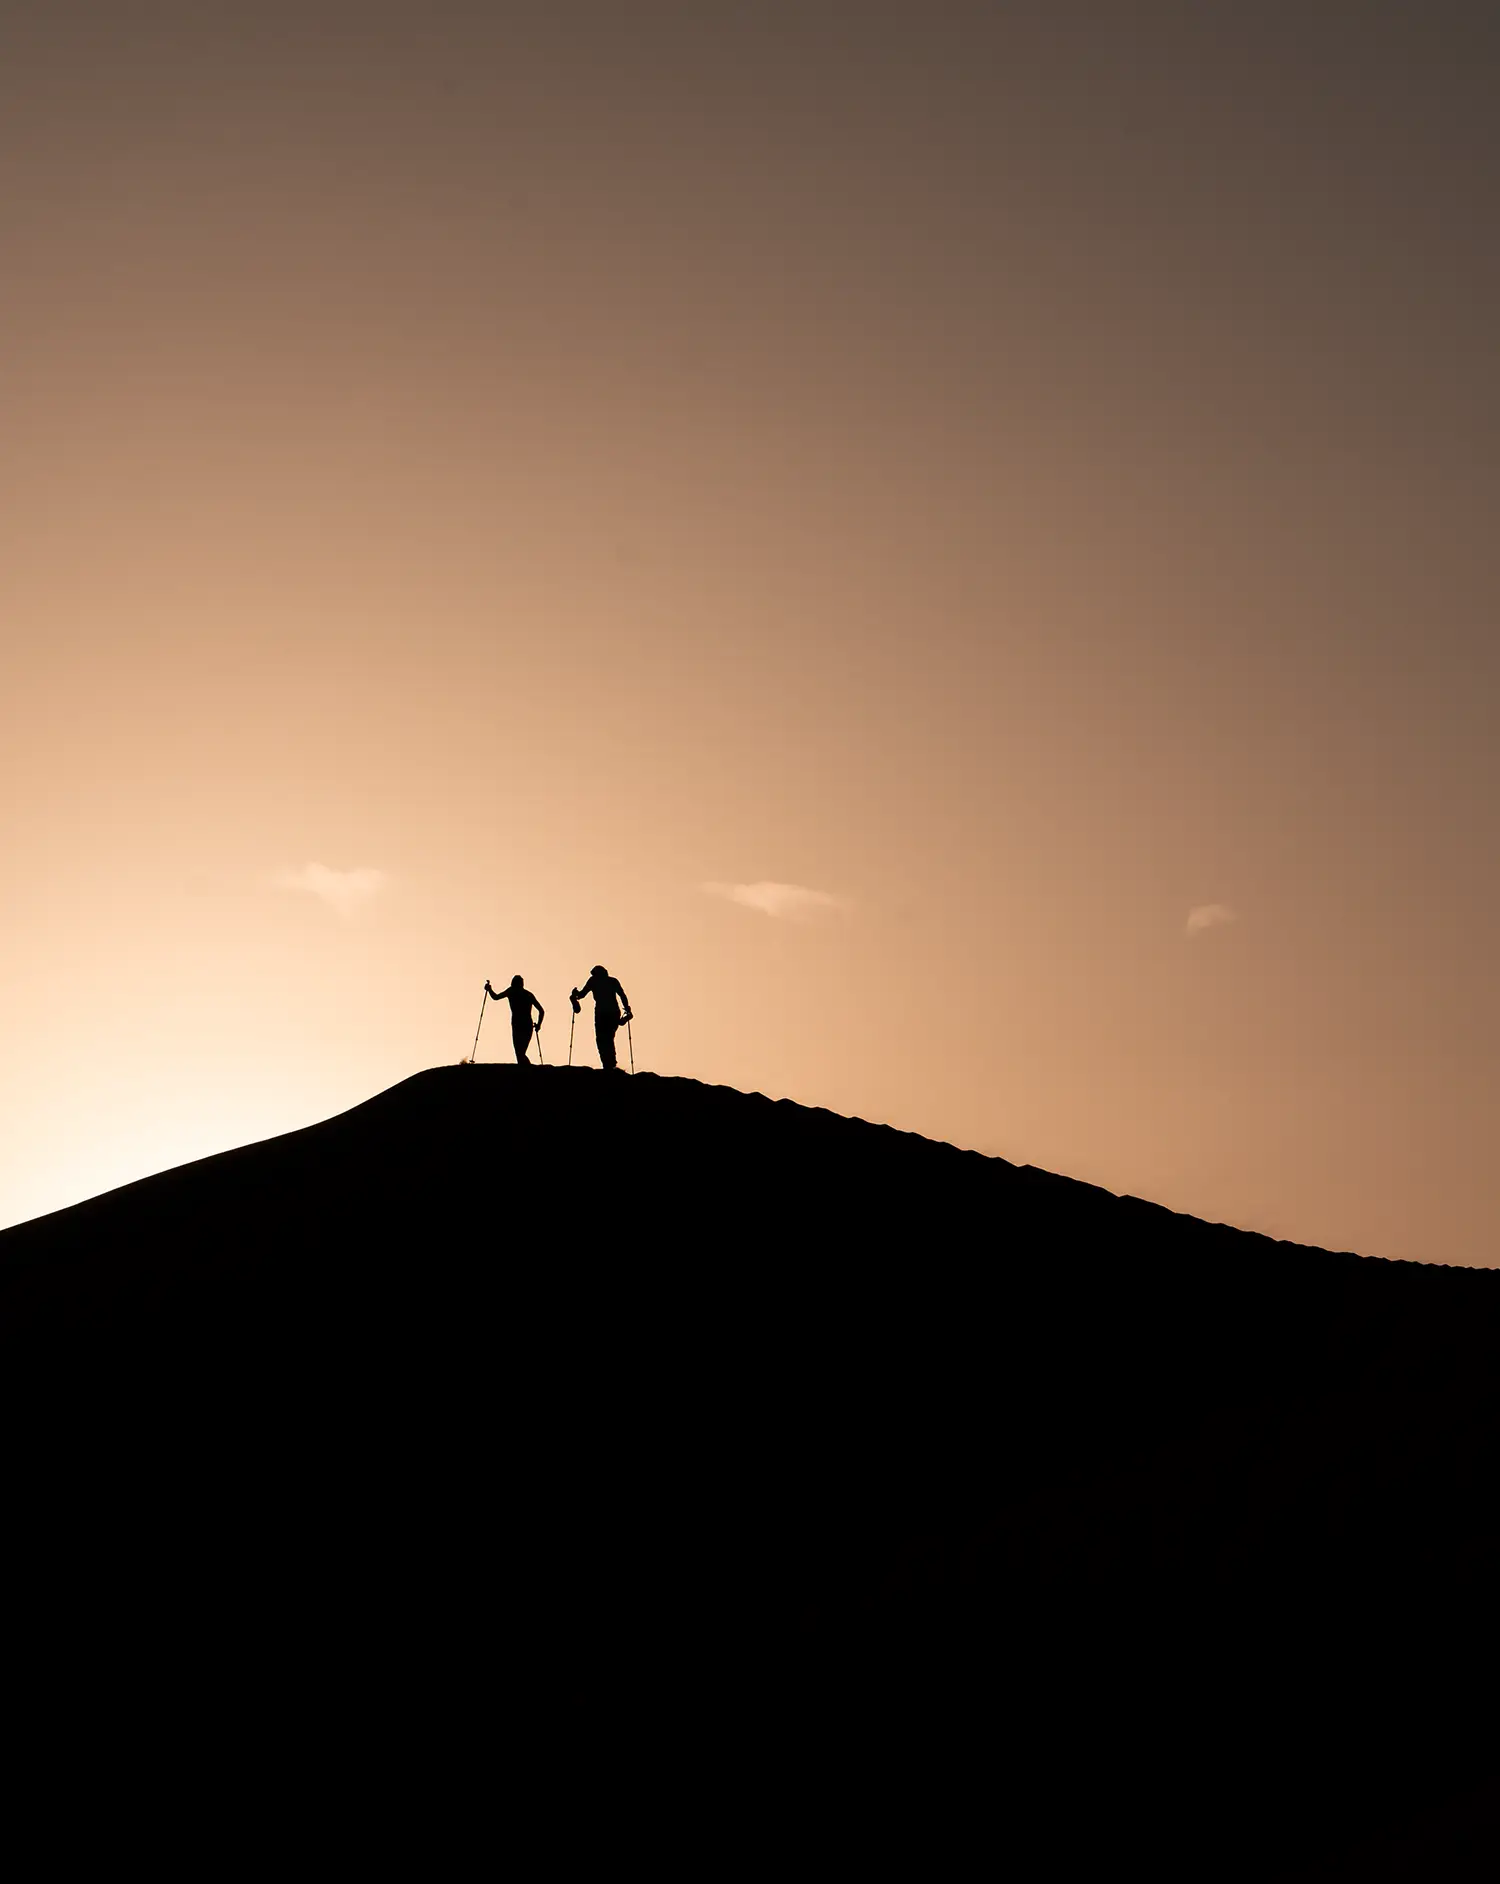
{"type": "Point", "coordinates": [630, 1042]}
{"type": "Point", "coordinates": [541, 1057]}
{"type": "Point", "coordinates": [484, 1001]}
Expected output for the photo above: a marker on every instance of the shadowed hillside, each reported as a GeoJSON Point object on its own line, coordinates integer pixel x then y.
{"type": "Point", "coordinates": [815, 1461]}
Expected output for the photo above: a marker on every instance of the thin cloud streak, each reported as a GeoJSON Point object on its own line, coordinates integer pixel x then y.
{"type": "Point", "coordinates": [346, 892]}
{"type": "Point", "coordinates": [788, 902]}
{"type": "Point", "coordinates": [1210, 916]}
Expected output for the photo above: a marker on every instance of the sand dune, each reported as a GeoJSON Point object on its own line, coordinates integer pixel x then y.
{"type": "Point", "coordinates": [813, 1463]}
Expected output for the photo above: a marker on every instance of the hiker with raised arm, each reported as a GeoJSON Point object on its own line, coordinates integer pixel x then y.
{"type": "Point", "coordinates": [521, 1004]}
{"type": "Point", "coordinates": [609, 999]}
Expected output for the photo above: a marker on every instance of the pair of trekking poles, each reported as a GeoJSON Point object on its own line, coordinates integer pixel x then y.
{"type": "Point", "coordinates": [629, 1037]}
{"type": "Point", "coordinates": [537, 1030]}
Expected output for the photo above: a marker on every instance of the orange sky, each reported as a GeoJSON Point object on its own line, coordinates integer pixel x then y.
{"type": "Point", "coordinates": [1023, 475]}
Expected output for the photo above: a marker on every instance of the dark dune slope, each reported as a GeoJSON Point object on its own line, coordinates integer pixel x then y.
{"type": "Point", "coordinates": [808, 1452]}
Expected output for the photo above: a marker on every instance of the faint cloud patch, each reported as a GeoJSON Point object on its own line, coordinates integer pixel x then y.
{"type": "Point", "coordinates": [344, 891]}
{"type": "Point", "coordinates": [1210, 916]}
{"type": "Point", "coordinates": [788, 901]}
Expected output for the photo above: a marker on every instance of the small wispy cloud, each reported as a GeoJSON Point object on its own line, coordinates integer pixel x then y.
{"type": "Point", "coordinates": [344, 891]}
{"type": "Point", "coordinates": [1210, 916]}
{"type": "Point", "coordinates": [788, 901]}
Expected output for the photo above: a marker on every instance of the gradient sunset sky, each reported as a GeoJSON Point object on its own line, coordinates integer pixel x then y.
{"type": "Point", "coordinates": [954, 548]}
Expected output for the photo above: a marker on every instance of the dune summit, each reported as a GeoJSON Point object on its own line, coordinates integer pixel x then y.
{"type": "Point", "coordinates": [814, 1464]}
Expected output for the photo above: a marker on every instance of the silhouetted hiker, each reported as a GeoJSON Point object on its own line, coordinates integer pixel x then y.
{"type": "Point", "coordinates": [521, 1004]}
{"type": "Point", "coordinates": [609, 997]}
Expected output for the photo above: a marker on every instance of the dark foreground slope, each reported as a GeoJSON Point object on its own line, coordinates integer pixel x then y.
{"type": "Point", "coordinates": [518, 1433]}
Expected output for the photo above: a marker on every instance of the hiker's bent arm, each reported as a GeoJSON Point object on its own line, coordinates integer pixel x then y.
{"type": "Point", "coordinates": [541, 1012]}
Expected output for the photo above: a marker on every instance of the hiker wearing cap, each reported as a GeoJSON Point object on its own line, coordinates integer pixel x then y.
{"type": "Point", "coordinates": [609, 999]}
{"type": "Point", "coordinates": [521, 1004]}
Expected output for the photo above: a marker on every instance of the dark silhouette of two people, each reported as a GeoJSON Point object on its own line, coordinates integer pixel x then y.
{"type": "Point", "coordinates": [522, 1001]}
{"type": "Point", "coordinates": [611, 1012]}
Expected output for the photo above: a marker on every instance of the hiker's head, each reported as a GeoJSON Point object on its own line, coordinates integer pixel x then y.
{"type": "Point", "coordinates": [601, 971]}
{"type": "Point", "coordinates": [515, 981]}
